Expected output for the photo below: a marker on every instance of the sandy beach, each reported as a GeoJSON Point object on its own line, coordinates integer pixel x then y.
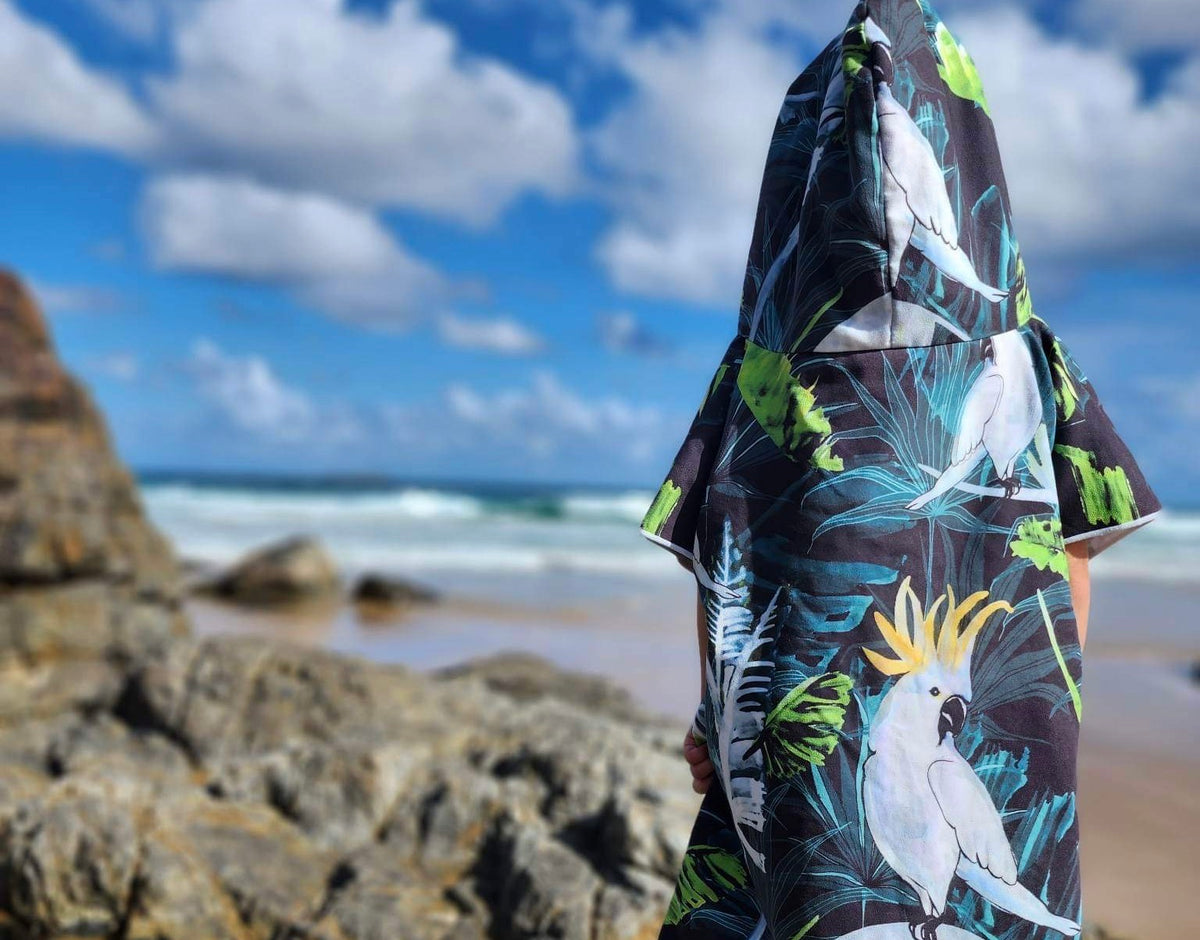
{"type": "Point", "coordinates": [1140, 755]}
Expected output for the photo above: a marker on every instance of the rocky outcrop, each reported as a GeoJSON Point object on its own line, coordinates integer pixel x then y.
{"type": "Point", "coordinates": [526, 678]}
{"type": "Point", "coordinates": [88, 584]}
{"type": "Point", "coordinates": [294, 569]}
{"type": "Point", "coordinates": [241, 788]}
{"type": "Point", "coordinates": [155, 786]}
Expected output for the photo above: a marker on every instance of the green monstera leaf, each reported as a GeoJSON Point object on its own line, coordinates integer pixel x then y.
{"type": "Point", "coordinates": [957, 69]}
{"type": "Point", "coordinates": [1066, 393]}
{"type": "Point", "coordinates": [802, 730]}
{"type": "Point", "coordinates": [1105, 491]}
{"type": "Point", "coordinates": [1040, 540]}
{"type": "Point", "coordinates": [660, 510]}
{"type": "Point", "coordinates": [1024, 302]}
{"type": "Point", "coordinates": [708, 874]}
{"type": "Point", "coordinates": [786, 409]}
{"type": "Point", "coordinates": [855, 47]}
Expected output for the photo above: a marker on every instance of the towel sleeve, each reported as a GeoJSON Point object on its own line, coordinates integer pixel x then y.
{"type": "Point", "coordinates": [670, 521]}
{"type": "Point", "coordinates": [1102, 492]}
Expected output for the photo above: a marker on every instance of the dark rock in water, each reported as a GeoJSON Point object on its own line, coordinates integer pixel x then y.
{"type": "Point", "coordinates": [1194, 672]}
{"type": "Point", "coordinates": [197, 575]}
{"type": "Point", "coordinates": [1096, 932]}
{"type": "Point", "coordinates": [386, 590]}
{"type": "Point", "coordinates": [295, 569]}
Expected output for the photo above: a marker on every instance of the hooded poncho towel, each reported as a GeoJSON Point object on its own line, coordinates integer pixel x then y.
{"type": "Point", "coordinates": [875, 496]}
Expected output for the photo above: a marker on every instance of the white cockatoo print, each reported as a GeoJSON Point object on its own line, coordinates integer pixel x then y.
{"type": "Point", "coordinates": [1001, 415]}
{"type": "Point", "coordinates": [928, 812]}
{"type": "Point", "coordinates": [917, 205]}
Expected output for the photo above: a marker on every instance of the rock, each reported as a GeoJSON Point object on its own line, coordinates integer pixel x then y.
{"type": "Point", "coordinates": [535, 885]}
{"type": "Point", "coordinates": [1096, 932]}
{"type": "Point", "coordinates": [389, 591]}
{"type": "Point", "coordinates": [70, 860]}
{"type": "Point", "coordinates": [338, 794]}
{"type": "Point", "coordinates": [68, 509]}
{"type": "Point", "coordinates": [526, 678]}
{"type": "Point", "coordinates": [295, 569]}
{"type": "Point", "coordinates": [88, 584]}
{"type": "Point", "coordinates": [276, 879]}
{"type": "Point", "coordinates": [377, 896]}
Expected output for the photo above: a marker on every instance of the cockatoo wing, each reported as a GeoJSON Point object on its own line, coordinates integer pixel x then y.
{"type": "Point", "coordinates": [968, 808]}
{"type": "Point", "coordinates": [1012, 431]}
{"type": "Point", "coordinates": [914, 167]}
{"type": "Point", "coordinates": [981, 403]}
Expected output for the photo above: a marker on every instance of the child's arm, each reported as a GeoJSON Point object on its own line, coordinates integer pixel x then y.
{"type": "Point", "coordinates": [1081, 585]}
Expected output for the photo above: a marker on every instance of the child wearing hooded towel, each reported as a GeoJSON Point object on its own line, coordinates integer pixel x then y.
{"type": "Point", "coordinates": [888, 497]}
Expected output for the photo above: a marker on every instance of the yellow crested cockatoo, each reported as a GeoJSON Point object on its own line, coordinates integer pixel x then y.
{"type": "Point", "coordinates": [928, 812]}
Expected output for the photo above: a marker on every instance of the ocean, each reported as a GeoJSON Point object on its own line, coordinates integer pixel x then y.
{"type": "Point", "coordinates": [446, 532]}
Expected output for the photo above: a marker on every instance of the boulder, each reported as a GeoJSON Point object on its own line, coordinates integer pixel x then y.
{"type": "Point", "coordinates": [68, 508]}
{"type": "Point", "coordinates": [526, 678]}
{"type": "Point", "coordinates": [294, 569]}
{"type": "Point", "coordinates": [88, 583]}
{"type": "Point", "coordinates": [389, 591]}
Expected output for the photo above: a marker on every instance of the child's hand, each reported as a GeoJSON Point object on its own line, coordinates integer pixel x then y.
{"type": "Point", "coordinates": [697, 757]}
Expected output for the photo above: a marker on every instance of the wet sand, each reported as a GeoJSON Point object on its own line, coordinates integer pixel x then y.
{"type": "Point", "coordinates": [1139, 761]}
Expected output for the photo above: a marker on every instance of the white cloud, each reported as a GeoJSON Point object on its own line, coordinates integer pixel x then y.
{"type": "Point", "coordinates": [336, 257]}
{"type": "Point", "coordinates": [548, 418]}
{"type": "Point", "coordinates": [1148, 24]}
{"type": "Point", "coordinates": [1093, 168]}
{"type": "Point", "coordinates": [687, 152]}
{"type": "Point", "coordinates": [621, 332]}
{"type": "Point", "coordinates": [120, 366]}
{"type": "Point", "coordinates": [248, 394]}
{"type": "Point", "coordinates": [77, 298]}
{"type": "Point", "coordinates": [384, 109]}
{"type": "Point", "coordinates": [230, 225]}
{"type": "Point", "coordinates": [252, 404]}
{"type": "Point", "coordinates": [51, 95]}
{"type": "Point", "coordinates": [501, 335]}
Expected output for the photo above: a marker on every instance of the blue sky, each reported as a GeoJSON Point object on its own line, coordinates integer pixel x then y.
{"type": "Point", "coordinates": [505, 238]}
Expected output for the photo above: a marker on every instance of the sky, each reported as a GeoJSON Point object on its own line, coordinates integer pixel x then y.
{"type": "Point", "coordinates": [505, 239]}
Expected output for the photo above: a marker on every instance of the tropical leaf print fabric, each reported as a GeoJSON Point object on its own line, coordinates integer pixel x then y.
{"type": "Point", "coordinates": [875, 496]}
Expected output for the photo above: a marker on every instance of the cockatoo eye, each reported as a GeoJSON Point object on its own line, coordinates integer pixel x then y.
{"type": "Point", "coordinates": [935, 691]}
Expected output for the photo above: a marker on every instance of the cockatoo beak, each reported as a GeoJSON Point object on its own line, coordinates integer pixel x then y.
{"type": "Point", "coordinates": [952, 717]}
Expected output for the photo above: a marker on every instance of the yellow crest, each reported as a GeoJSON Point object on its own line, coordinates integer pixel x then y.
{"type": "Point", "coordinates": [913, 635]}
